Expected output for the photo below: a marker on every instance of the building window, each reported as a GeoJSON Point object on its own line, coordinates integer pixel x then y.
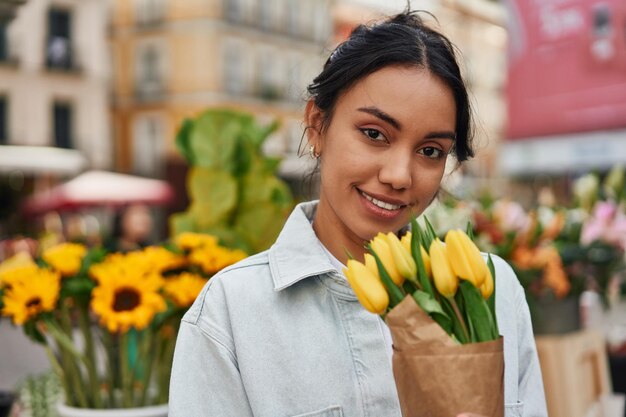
{"type": "Point", "coordinates": [293, 18]}
{"type": "Point", "coordinates": [4, 47]}
{"type": "Point", "coordinates": [4, 116]}
{"type": "Point", "coordinates": [269, 75]}
{"type": "Point", "coordinates": [266, 13]}
{"type": "Point", "coordinates": [62, 125]}
{"type": "Point", "coordinates": [234, 68]}
{"type": "Point", "coordinates": [234, 10]}
{"type": "Point", "coordinates": [150, 12]}
{"type": "Point", "coordinates": [149, 73]}
{"type": "Point", "coordinates": [59, 43]}
{"type": "Point", "coordinates": [148, 147]}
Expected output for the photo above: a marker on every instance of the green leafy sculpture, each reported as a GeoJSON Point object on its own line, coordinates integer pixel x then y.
{"type": "Point", "coordinates": [233, 189]}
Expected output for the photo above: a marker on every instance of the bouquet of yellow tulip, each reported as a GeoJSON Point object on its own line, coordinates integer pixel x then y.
{"type": "Point", "coordinates": [108, 322]}
{"type": "Point", "coordinates": [440, 307]}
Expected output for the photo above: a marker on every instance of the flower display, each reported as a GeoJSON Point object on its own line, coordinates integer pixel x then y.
{"type": "Point", "coordinates": [126, 306]}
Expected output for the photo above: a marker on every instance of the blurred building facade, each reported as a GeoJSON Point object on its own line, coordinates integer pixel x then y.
{"type": "Point", "coordinates": [54, 73]}
{"type": "Point", "coordinates": [174, 58]}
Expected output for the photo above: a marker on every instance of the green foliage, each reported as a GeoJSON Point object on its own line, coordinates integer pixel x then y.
{"type": "Point", "coordinates": [39, 394]}
{"type": "Point", "coordinates": [233, 188]}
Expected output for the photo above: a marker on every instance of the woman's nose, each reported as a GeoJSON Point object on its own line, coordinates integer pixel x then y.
{"type": "Point", "coordinates": [395, 170]}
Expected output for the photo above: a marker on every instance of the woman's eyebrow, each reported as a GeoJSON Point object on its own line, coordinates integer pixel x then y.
{"type": "Point", "coordinates": [441, 135]}
{"type": "Point", "coordinates": [375, 111]}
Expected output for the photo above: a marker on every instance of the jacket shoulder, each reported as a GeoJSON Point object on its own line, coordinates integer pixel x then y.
{"type": "Point", "coordinates": [248, 275]}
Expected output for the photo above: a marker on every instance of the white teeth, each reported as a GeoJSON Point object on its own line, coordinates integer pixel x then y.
{"type": "Point", "coordinates": [381, 204]}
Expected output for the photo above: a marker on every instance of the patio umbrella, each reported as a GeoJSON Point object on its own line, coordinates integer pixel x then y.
{"type": "Point", "coordinates": [99, 188]}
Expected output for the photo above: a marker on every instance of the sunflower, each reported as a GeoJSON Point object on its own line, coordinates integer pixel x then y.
{"type": "Point", "coordinates": [191, 241]}
{"type": "Point", "coordinates": [16, 272]}
{"type": "Point", "coordinates": [160, 259]}
{"type": "Point", "coordinates": [127, 296]}
{"type": "Point", "coordinates": [17, 261]}
{"type": "Point", "coordinates": [32, 291]}
{"type": "Point", "coordinates": [65, 258]}
{"type": "Point", "coordinates": [184, 288]}
{"type": "Point", "coordinates": [211, 260]}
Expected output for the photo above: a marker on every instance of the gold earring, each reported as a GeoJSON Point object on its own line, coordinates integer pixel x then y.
{"type": "Point", "coordinates": [312, 153]}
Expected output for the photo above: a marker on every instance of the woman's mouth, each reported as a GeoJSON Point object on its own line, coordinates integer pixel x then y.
{"type": "Point", "coordinates": [391, 207]}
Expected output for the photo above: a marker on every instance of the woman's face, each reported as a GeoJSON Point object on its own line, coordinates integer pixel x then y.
{"type": "Point", "coordinates": [384, 152]}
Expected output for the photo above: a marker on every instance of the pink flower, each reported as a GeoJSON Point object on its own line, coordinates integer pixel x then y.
{"type": "Point", "coordinates": [606, 224]}
{"type": "Point", "coordinates": [511, 216]}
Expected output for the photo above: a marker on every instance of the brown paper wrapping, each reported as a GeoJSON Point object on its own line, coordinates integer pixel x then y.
{"type": "Point", "coordinates": [435, 376]}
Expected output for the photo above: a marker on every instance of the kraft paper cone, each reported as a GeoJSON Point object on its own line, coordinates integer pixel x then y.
{"type": "Point", "coordinates": [436, 377]}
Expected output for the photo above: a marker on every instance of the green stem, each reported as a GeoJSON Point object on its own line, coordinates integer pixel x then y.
{"type": "Point", "coordinates": [110, 354]}
{"type": "Point", "coordinates": [124, 371]}
{"type": "Point", "coordinates": [167, 370]}
{"type": "Point", "coordinates": [150, 362]}
{"type": "Point", "coordinates": [459, 316]}
{"type": "Point", "coordinates": [90, 356]}
{"type": "Point", "coordinates": [65, 337]}
{"type": "Point", "coordinates": [58, 369]}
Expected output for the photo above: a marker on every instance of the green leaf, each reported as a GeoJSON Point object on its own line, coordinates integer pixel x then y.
{"type": "Point", "coordinates": [214, 195]}
{"type": "Point", "coordinates": [396, 294]}
{"type": "Point", "coordinates": [491, 302]}
{"type": "Point", "coordinates": [78, 287]}
{"type": "Point", "coordinates": [422, 276]}
{"type": "Point", "coordinates": [430, 231]}
{"type": "Point", "coordinates": [478, 312]}
{"type": "Point", "coordinates": [31, 330]}
{"type": "Point", "coordinates": [213, 139]}
{"type": "Point", "coordinates": [456, 327]}
{"type": "Point", "coordinates": [428, 303]}
{"type": "Point", "coordinates": [259, 224]}
{"type": "Point", "coordinates": [470, 231]}
{"type": "Point", "coordinates": [182, 141]}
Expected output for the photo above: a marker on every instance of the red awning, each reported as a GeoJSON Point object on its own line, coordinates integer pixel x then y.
{"type": "Point", "coordinates": [99, 188]}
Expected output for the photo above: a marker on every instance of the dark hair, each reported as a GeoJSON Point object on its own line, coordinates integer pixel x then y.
{"type": "Point", "coordinates": [403, 39]}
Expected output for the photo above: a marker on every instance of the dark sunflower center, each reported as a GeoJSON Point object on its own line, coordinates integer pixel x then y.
{"type": "Point", "coordinates": [125, 299]}
{"type": "Point", "coordinates": [33, 302]}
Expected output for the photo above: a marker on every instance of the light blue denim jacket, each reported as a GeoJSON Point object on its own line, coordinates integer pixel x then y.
{"type": "Point", "coordinates": [281, 334]}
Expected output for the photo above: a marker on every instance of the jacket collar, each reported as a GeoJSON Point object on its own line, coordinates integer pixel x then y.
{"type": "Point", "coordinates": [297, 253]}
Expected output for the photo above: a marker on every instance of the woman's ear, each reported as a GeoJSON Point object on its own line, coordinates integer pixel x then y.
{"type": "Point", "coordinates": [313, 118]}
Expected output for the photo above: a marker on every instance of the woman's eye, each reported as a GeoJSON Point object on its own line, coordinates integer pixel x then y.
{"type": "Point", "coordinates": [373, 134]}
{"type": "Point", "coordinates": [431, 152]}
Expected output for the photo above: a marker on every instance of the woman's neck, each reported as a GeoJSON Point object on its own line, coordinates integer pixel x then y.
{"type": "Point", "coordinates": [336, 237]}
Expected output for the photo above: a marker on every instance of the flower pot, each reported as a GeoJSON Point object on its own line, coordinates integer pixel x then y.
{"type": "Point", "coordinates": [6, 401]}
{"type": "Point", "coordinates": [151, 411]}
{"type": "Point", "coordinates": [555, 316]}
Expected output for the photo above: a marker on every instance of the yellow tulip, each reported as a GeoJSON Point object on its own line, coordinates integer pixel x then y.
{"type": "Point", "coordinates": [444, 277]}
{"type": "Point", "coordinates": [402, 257]}
{"type": "Point", "coordinates": [487, 288]}
{"type": "Point", "coordinates": [368, 288]}
{"type": "Point", "coordinates": [382, 249]}
{"type": "Point", "coordinates": [465, 258]}
{"type": "Point", "coordinates": [370, 263]}
{"type": "Point", "coordinates": [406, 242]}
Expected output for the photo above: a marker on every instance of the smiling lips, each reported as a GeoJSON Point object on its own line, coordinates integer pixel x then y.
{"type": "Point", "coordinates": [381, 204]}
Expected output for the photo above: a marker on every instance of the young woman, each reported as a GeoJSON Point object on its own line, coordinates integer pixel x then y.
{"type": "Point", "coordinates": [281, 334]}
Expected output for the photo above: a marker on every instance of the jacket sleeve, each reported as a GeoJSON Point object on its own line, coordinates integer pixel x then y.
{"type": "Point", "coordinates": [205, 379]}
{"type": "Point", "coordinates": [530, 386]}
